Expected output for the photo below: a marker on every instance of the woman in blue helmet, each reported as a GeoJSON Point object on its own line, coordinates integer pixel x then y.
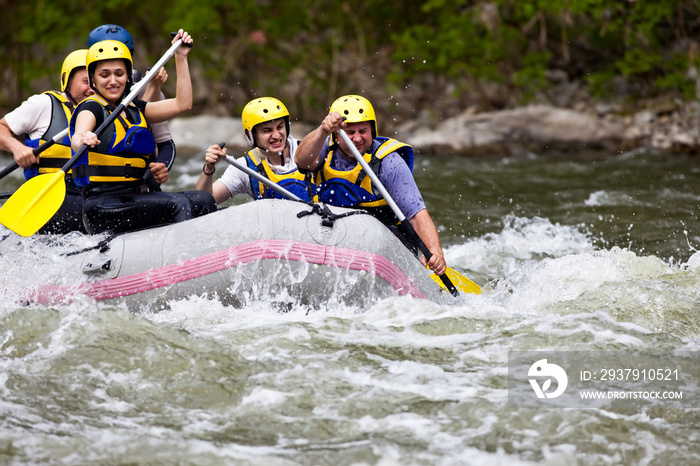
{"type": "Point", "coordinates": [110, 173]}
{"type": "Point", "coordinates": [158, 171]}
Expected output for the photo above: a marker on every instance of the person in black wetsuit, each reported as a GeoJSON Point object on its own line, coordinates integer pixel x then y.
{"type": "Point", "coordinates": [110, 173]}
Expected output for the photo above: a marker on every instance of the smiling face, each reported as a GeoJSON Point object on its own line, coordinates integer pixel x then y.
{"type": "Point", "coordinates": [110, 79]}
{"type": "Point", "coordinates": [79, 86]}
{"type": "Point", "coordinates": [271, 135]}
{"type": "Point", "coordinates": [361, 136]}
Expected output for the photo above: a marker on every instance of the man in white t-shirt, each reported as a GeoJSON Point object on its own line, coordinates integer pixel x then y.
{"type": "Point", "coordinates": [39, 119]}
{"type": "Point", "coordinates": [266, 126]}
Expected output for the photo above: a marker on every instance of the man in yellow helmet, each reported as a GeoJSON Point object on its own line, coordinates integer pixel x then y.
{"type": "Point", "coordinates": [266, 128]}
{"type": "Point", "coordinates": [39, 119]}
{"type": "Point", "coordinates": [341, 180]}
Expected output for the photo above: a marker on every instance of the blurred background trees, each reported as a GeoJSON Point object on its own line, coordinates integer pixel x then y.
{"type": "Point", "coordinates": [434, 56]}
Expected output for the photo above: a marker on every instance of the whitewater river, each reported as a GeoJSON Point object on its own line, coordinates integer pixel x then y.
{"type": "Point", "coordinates": [578, 258]}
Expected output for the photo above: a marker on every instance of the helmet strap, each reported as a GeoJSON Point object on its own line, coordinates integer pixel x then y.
{"type": "Point", "coordinates": [250, 137]}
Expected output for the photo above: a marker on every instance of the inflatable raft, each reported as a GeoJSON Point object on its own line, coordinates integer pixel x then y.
{"type": "Point", "coordinates": [271, 249]}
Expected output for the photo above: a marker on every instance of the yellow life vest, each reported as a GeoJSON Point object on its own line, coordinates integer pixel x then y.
{"type": "Point", "coordinates": [293, 181]}
{"type": "Point", "coordinates": [353, 188]}
{"type": "Point", "coordinates": [54, 157]}
{"type": "Point", "coordinates": [124, 151]}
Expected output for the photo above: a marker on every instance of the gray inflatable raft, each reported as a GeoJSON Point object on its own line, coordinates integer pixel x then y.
{"type": "Point", "coordinates": [257, 250]}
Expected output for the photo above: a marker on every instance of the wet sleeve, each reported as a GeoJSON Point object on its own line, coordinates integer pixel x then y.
{"type": "Point", "coordinates": [166, 153]}
{"type": "Point", "coordinates": [398, 181]}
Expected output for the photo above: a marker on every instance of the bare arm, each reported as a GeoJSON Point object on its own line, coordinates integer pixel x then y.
{"type": "Point", "coordinates": [206, 180]}
{"type": "Point", "coordinates": [167, 109]}
{"type": "Point", "coordinates": [23, 155]}
{"type": "Point", "coordinates": [85, 124]}
{"type": "Point", "coordinates": [424, 226]}
{"type": "Point", "coordinates": [306, 156]}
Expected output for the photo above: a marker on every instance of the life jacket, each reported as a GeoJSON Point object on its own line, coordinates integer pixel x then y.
{"type": "Point", "coordinates": [353, 188]}
{"type": "Point", "coordinates": [55, 157]}
{"type": "Point", "coordinates": [124, 151]}
{"type": "Point", "coordinates": [293, 181]}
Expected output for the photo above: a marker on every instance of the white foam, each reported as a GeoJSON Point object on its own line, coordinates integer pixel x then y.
{"type": "Point", "coordinates": [610, 198]}
{"type": "Point", "coordinates": [520, 240]}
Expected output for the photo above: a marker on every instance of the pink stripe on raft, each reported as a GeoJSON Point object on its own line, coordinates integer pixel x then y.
{"type": "Point", "coordinates": [231, 257]}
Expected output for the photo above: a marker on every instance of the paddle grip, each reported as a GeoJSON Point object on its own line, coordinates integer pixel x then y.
{"type": "Point", "coordinates": [173, 34]}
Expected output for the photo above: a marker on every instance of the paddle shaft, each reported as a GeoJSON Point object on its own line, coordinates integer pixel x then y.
{"type": "Point", "coordinates": [395, 208]}
{"type": "Point", "coordinates": [260, 178]}
{"type": "Point", "coordinates": [37, 150]}
{"type": "Point", "coordinates": [135, 91]}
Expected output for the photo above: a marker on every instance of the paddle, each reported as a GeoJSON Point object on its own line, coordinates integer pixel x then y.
{"type": "Point", "coordinates": [37, 150]}
{"type": "Point", "coordinates": [247, 170]}
{"type": "Point", "coordinates": [37, 200]}
{"type": "Point", "coordinates": [460, 282]}
{"type": "Point", "coordinates": [463, 283]}
{"type": "Point", "coordinates": [395, 208]}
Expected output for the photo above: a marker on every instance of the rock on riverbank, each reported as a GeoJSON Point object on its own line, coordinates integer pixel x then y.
{"type": "Point", "coordinates": [536, 129]}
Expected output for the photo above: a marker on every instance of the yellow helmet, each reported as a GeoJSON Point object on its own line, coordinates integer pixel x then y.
{"type": "Point", "coordinates": [259, 111]}
{"type": "Point", "coordinates": [75, 59]}
{"type": "Point", "coordinates": [108, 50]}
{"type": "Point", "coordinates": [356, 109]}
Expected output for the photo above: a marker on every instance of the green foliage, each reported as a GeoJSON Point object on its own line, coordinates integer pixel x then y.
{"type": "Point", "coordinates": [518, 41]}
{"type": "Point", "coordinates": [531, 76]}
{"type": "Point", "coordinates": [308, 53]}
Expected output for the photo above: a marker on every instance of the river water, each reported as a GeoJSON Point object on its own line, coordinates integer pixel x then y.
{"type": "Point", "coordinates": [573, 255]}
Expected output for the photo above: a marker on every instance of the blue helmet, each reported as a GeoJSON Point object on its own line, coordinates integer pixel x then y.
{"type": "Point", "coordinates": [111, 32]}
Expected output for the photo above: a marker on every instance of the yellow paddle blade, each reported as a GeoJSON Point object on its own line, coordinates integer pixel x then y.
{"type": "Point", "coordinates": [460, 282]}
{"type": "Point", "coordinates": [34, 203]}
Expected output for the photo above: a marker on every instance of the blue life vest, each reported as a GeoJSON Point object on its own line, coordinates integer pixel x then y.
{"type": "Point", "coordinates": [124, 151]}
{"type": "Point", "coordinates": [293, 181]}
{"type": "Point", "coordinates": [353, 188]}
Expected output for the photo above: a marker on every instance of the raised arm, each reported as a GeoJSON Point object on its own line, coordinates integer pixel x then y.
{"type": "Point", "coordinates": [306, 156]}
{"type": "Point", "coordinates": [182, 102]}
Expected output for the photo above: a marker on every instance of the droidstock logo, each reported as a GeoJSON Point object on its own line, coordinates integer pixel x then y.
{"type": "Point", "coordinates": [542, 369]}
